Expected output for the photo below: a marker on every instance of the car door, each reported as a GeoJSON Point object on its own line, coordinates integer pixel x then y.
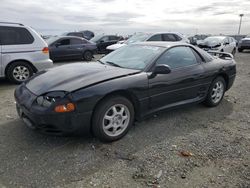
{"type": "Point", "coordinates": [112, 39]}
{"type": "Point", "coordinates": [77, 48]}
{"type": "Point", "coordinates": [60, 49]}
{"type": "Point", "coordinates": [183, 84]}
{"type": "Point", "coordinates": [103, 43]}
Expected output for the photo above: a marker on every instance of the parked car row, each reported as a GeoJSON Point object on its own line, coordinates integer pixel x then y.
{"type": "Point", "coordinates": [141, 37]}
{"type": "Point", "coordinates": [24, 52]}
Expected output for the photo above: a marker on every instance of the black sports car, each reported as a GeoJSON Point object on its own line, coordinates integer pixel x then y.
{"type": "Point", "coordinates": [130, 83]}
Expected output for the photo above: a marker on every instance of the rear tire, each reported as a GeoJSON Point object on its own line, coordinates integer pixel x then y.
{"type": "Point", "coordinates": [112, 118]}
{"type": "Point", "coordinates": [19, 72]}
{"type": "Point", "coordinates": [216, 92]}
{"type": "Point", "coordinates": [87, 55]}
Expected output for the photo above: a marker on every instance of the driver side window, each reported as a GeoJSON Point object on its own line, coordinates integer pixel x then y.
{"type": "Point", "coordinates": [178, 57]}
{"type": "Point", "coordinates": [64, 42]}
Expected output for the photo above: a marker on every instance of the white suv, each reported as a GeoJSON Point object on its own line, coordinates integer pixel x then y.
{"type": "Point", "coordinates": [22, 52]}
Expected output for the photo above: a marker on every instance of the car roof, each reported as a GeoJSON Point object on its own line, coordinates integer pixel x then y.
{"type": "Point", "coordinates": [13, 24]}
{"type": "Point", "coordinates": [162, 44]}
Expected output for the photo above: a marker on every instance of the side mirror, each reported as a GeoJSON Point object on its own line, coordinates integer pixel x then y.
{"type": "Point", "coordinates": [161, 69]}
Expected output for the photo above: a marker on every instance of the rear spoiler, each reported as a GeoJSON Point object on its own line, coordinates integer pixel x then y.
{"type": "Point", "coordinates": [222, 55]}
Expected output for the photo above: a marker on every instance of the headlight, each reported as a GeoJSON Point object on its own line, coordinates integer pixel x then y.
{"type": "Point", "coordinates": [45, 101]}
{"type": "Point", "coordinates": [48, 99]}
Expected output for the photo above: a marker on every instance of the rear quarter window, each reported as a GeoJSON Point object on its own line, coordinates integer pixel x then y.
{"type": "Point", "coordinates": [207, 57]}
{"type": "Point", "coordinates": [15, 36]}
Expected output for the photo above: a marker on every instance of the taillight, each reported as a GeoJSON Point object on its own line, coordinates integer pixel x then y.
{"type": "Point", "coordinates": [45, 50]}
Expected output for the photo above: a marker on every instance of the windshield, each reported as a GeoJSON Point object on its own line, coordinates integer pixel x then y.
{"type": "Point", "coordinates": [133, 56]}
{"type": "Point", "coordinates": [96, 38]}
{"type": "Point", "coordinates": [51, 40]}
{"type": "Point", "coordinates": [212, 41]}
{"type": "Point", "coordinates": [137, 38]}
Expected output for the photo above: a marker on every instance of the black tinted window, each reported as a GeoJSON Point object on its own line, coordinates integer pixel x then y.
{"type": "Point", "coordinates": [178, 57]}
{"type": "Point", "coordinates": [113, 38]}
{"type": "Point", "coordinates": [15, 36]}
{"type": "Point", "coordinates": [65, 42]}
{"type": "Point", "coordinates": [169, 37]}
{"type": "Point", "coordinates": [178, 38]}
{"type": "Point", "coordinates": [155, 38]}
{"type": "Point", "coordinates": [76, 41]}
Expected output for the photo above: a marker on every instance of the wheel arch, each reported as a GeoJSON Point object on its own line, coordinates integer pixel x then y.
{"type": "Point", "coordinates": [19, 60]}
{"type": "Point", "coordinates": [226, 78]}
{"type": "Point", "coordinates": [124, 93]}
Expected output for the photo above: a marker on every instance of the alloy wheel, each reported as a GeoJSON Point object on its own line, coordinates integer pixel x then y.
{"type": "Point", "coordinates": [116, 120]}
{"type": "Point", "coordinates": [217, 92]}
{"type": "Point", "coordinates": [21, 73]}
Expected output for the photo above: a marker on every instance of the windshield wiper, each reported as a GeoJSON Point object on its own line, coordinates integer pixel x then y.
{"type": "Point", "coordinates": [100, 61]}
{"type": "Point", "coordinates": [113, 64]}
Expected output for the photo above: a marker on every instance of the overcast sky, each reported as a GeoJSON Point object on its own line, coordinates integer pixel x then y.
{"type": "Point", "coordinates": [129, 16]}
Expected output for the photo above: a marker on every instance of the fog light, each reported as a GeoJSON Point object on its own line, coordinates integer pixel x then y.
{"type": "Point", "coordinates": [69, 107]}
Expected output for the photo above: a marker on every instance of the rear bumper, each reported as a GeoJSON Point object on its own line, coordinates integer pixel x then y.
{"type": "Point", "coordinates": [42, 65]}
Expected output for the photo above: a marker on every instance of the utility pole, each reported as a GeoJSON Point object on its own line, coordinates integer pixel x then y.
{"type": "Point", "coordinates": [241, 15]}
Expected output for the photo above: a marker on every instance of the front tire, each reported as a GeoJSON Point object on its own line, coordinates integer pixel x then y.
{"type": "Point", "coordinates": [216, 92]}
{"type": "Point", "coordinates": [113, 118]}
{"type": "Point", "coordinates": [19, 72]}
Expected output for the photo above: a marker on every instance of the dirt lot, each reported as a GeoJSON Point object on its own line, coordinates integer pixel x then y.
{"type": "Point", "coordinates": [216, 140]}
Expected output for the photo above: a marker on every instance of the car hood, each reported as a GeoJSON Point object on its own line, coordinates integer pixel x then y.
{"type": "Point", "coordinates": [115, 46]}
{"type": "Point", "coordinates": [74, 76]}
{"type": "Point", "coordinates": [209, 45]}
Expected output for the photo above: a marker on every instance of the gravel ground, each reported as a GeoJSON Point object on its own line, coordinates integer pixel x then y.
{"type": "Point", "coordinates": [193, 146]}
